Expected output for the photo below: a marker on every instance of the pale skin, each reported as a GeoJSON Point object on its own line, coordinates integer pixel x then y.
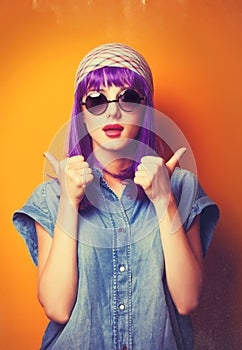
{"type": "Point", "coordinates": [57, 264]}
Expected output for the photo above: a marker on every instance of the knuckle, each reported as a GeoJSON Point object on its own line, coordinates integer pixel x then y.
{"type": "Point", "coordinates": [75, 159]}
{"type": "Point", "coordinates": [84, 164]}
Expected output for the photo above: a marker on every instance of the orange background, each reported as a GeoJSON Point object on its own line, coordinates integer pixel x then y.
{"type": "Point", "coordinates": [194, 50]}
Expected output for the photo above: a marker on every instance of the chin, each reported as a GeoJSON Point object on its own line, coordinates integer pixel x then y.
{"type": "Point", "coordinates": [124, 148]}
{"type": "Point", "coordinates": [119, 145]}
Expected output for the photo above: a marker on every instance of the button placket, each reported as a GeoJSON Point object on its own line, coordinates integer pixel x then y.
{"type": "Point", "coordinates": [121, 281]}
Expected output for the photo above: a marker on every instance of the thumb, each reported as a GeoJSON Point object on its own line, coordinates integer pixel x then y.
{"type": "Point", "coordinates": [53, 161]}
{"type": "Point", "coordinates": [172, 162]}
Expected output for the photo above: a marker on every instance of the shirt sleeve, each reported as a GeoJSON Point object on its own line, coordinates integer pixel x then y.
{"type": "Point", "coordinates": [36, 209]}
{"type": "Point", "coordinates": [193, 201]}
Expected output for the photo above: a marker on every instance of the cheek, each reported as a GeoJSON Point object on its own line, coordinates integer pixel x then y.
{"type": "Point", "coordinates": [136, 122]}
{"type": "Point", "coordinates": [92, 123]}
{"type": "Point", "coordinates": [134, 131]}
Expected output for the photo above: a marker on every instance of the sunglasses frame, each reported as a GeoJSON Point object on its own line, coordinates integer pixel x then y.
{"type": "Point", "coordinates": [141, 98]}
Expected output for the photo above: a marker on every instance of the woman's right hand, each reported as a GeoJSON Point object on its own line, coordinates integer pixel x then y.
{"type": "Point", "coordinates": [74, 174]}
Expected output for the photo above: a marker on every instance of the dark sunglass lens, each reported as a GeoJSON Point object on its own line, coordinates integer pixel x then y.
{"type": "Point", "coordinates": [96, 103]}
{"type": "Point", "coordinates": [129, 100]}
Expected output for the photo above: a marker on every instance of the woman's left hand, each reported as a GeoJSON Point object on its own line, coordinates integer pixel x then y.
{"type": "Point", "coordinates": [153, 175]}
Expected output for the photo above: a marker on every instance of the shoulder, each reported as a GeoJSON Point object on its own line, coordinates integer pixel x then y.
{"type": "Point", "coordinates": [40, 207]}
{"type": "Point", "coordinates": [47, 188]}
{"type": "Point", "coordinates": [181, 174]}
{"type": "Point", "coordinates": [192, 201]}
{"type": "Point", "coordinates": [183, 180]}
{"type": "Point", "coordinates": [44, 194]}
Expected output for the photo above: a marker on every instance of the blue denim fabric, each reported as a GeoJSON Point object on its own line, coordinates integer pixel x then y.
{"type": "Point", "coordinates": [123, 301]}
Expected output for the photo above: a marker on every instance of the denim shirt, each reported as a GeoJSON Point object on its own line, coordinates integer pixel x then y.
{"type": "Point", "coordinates": [122, 302]}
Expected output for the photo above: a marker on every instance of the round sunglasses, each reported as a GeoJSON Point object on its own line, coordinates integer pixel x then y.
{"type": "Point", "coordinates": [128, 100]}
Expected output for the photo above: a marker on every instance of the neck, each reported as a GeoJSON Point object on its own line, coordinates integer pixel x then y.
{"type": "Point", "coordinates": [118, 168]}
{"type": "Point", "coordinates": [113, 163]}
{"type": "Point", "coordinates": [115, 170]}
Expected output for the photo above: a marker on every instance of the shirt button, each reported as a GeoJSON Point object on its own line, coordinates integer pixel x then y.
{"type": "Point", "coordinates": [121, 307]}
{"type": "Point", "coordinates": [122, 268]}
{"type": "Point", "coordinates": [124, 347]}
{"type": "Point", "coordinates": [121, 230]}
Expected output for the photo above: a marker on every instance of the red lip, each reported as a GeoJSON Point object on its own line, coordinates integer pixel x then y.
{"type": "Point", "coordinates": [115, 127]}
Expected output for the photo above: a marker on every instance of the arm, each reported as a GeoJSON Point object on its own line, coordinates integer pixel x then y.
{"type": "Point", "coordinates": [57, 269]}
{"type": "Point", "coordinates": [182, 252]}
{"type": "Point", "coordinates": [183, 261]}
{"type": "Point", "coordinates": [57, 256]}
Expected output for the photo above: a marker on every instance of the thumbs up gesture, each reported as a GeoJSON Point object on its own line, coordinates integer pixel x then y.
{"type": "Point", "coordinates": [153, 175]}
{"type": "Point", "coordinates": [74, 174]}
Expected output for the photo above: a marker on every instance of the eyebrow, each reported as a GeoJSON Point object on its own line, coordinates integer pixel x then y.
{"type": "Point", "coordinates": [104, 90]}
{"type": "Point", "coordinates": [96, 90]}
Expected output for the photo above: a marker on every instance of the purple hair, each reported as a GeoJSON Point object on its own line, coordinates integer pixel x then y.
{"type": "Point", "coordinates": [80, 141]}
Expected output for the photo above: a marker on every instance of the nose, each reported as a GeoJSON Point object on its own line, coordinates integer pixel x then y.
{"type": "Point", "coordinates": [113, 110]}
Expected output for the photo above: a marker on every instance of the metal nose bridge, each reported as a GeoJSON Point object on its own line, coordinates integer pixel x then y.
{"type": "Point", "coordinates": [110, 101]}
{"type": "Point", "coordinates": [115, 110]}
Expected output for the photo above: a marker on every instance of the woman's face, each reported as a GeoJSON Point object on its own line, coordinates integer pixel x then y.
{"type": "Point", "coordinates": [114, 129]}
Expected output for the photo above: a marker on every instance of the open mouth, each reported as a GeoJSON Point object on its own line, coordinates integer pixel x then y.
{"type": "Point", "coordinates": [113, 130]}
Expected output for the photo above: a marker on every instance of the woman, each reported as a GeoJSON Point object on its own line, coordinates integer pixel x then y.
{"type": "Point", "coordinates": [119, 237]}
